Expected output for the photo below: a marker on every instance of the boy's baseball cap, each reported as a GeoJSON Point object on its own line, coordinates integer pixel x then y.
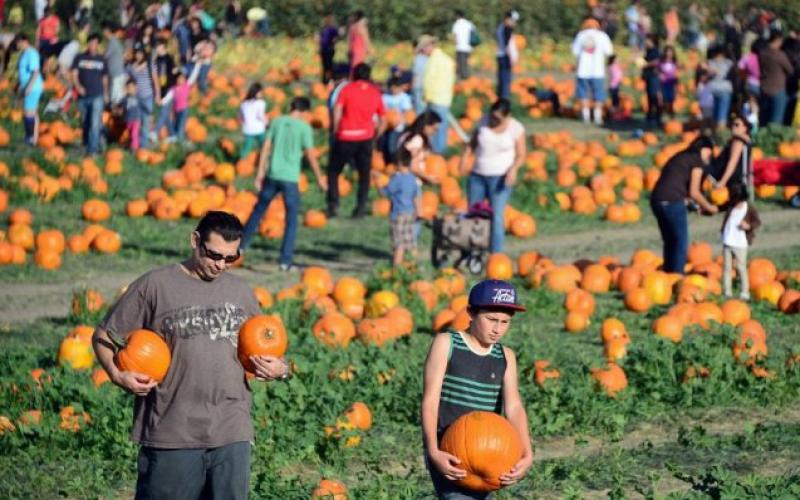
{"type": "Point", "coordinates": [495, 294]}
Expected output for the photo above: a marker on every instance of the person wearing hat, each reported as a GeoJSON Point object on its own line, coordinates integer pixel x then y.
{"type": "Point", "coordinates": [591, 48]}
{"type": "Point", "coordinates": [507, 54]}
{"type": "Point", "coordinates": [458, 363]}
{"type": "Point", "coordinates": [437, 86]}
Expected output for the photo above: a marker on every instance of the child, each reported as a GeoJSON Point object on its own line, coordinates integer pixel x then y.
{"type": "Point", "coordinates": [252, 114]}
{"type": "Point", "coordinates": [459, 361]}
{"type": "Point", "coordinates": [738, 231]}
{"type": "Point", "coordinates": [668, 76]}
{"type": "Point", "coordinates": [133, 114]}
{"type": "Point", "coordinates": [705, 98]}
{"type": "Point", "coordinates": [179, 96]}
{"type": "Point", "coordinates": [396, 102]}
{"type": "Point", "coordinates": [404, 193]}
{"type": "Point", "coordinates": [614, 82]}
{"type": "Point", "coordinates": [750, 112]}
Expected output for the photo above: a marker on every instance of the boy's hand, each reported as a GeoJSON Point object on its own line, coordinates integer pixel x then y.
{"type": "Point", "coordinates": [518, 472]}
{"type": "Point", "coordinates": [447, 464]}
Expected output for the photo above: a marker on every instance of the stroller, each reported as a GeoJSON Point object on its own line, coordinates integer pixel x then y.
{"type": "Point", "coordinates": [462, 239]}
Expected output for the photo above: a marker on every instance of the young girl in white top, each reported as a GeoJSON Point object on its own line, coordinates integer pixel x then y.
{"type": "Point", "coordinates": [738, 230]}
{"type": "Point", "coordinates": [253, 116]}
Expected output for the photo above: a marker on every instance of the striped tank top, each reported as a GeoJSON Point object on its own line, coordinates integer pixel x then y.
{"type": "Point", "coordinates": [472, 382]}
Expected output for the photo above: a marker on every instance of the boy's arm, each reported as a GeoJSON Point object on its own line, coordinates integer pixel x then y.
{"type": "Point", "coordinates": [311, 156]}
{"type": "Point", "coordinates": [263, 162]}
{"type": "Point", "coordinates": [515, 412]}
{"type": "Point", "coordinates": [433, 377]}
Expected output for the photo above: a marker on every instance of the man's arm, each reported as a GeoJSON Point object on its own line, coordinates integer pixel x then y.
{"type": "Point", "coordinates": [311, 156]}
{"type": "Point", "coordinates": [263, 162]}
{"type": "Point", "coordinates": [136, 383]}
{"type": "Point", "coordinates": [515, 412]}
{"type": "Point", "coordinates": [337, 117]}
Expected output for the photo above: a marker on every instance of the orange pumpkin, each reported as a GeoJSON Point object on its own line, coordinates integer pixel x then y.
{"type": "Point", "coordinates": [144, 352]}
{"type": "Point", "coordinates": [261, 335]}
{"type": "Point", "coordinates": [735, 312]}
{"type": "Point", "coordinates": [579, 300]}
{"type": "Point", "coordinates": [596, 279]}
{"type": "Point", "coordinates": [334, 330]}
{"type": "Point", "coordinates": [637, 300]}
{"type": "Point", "coordinates": [51, 240]}
{"type": "Point", "coordinates": [349, 289]}
{"type": "Point", "coordinates": [95, 210]}
{"type": "Point", "coordinates": [317, 281]}
{"type": "Point", "coordinates": [576, 322]}
{"type": "Point", "coordinates": [612, 379]}
{"type": "Point", "coordinates": [107, 241]}
{"type": "Point", "coordinates": [315, 219]}
{"type": "Point", "coordinates": [614, 329]}
{"type": "Point", "coordinates": [487, 446]}
{"type": "Point", "coordinates": [499, 267]}
{"type": "Point", "coordinates": [329, 489]}
{"type": "Point", "coordinates": [670, 327]}
{"type": "Point", "coordinates": [75, 353]}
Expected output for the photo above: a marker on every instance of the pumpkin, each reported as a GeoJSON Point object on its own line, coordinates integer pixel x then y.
{"type": "Point", "coordinates": [526, 261]}
{"type": "Point", "coordinates": [581, 301]}
{"type": "Point", "coordinates": [523, 226]}
{"type": "Point", "coordinates": [542, 374]}
{"type": "Point", "coordinates": [751, 341]}
{"type": "Point", "coordinates": [669, 327]}
{"type": "Point", "coordinates": [334, 329]}
{"type": "Point", "coordinates": [263, 296]}
{"type": "Point", "coordinates": [317, 281]}
{"type": "Point", "coordinates": [637, 300]}
{"type": "Point", "coordinates": [95, 210]}
{"type": "Point", "coordinates": [614, 329]}
{"type": "Point", "coordinates": [735, 312]}
{"type": "Point", "coordinates": [100, 377]}
{"type": "Point", "coordinates": [760, 271]}
{"type": "Point", "coordinates": [499, 267]}
{"type": "Point", "coordinates": [561, 279]}
{"type": "Point", "coordinates": [770, 292]}
{"type": "Point", "coordinates": [376, 331]}
{"type": "Point", "coordinates": [107, 241]}
{"type": "Point", "coordinates": [596, 279]}
{"type": "Point", "coordinates": [790, 302]}
{"type": "Point", "coordinates": [380, 303]}
{"type": "Point", "coordinates": [329, 489]}
{"type": "Point", "coordinates": [136, 208]}
{"type": "Point", "coordinates": [78, 243]}
{"type": "Point", "coordinates": [51, 240]}
{"type": "Point", "coordinates": [143, 352]}
{"type": "Point", "coordinates": [357, 416]}
{"type": "Point", "coordinates": [261, 335]}
{"type": "Point", "coordinates": [628, 278]}
{"type": "Point", "coordinates": [576, 322]}
{"type": "Point", "coordinates": [401, 319]}
{"type": "Point", "coordinates": [487, 446]}
{"type": "Point", "coordinates": [349, 289]}
{"type": "Point", "coordinates": [47, 259]}
{"type": "Point", "coordinates": [87, 301]}
{"type": "Point", "coordinates": [21, 234]}
{"type": "Point", "coordinates": [700, 253]}
{"type": "Point", "coordinates": [443, 320]}
{"type": "Point", "coordinates": [612, 379]}
{"type": "Point", "coordinates": [658, 287]}
{"type": "Point", "coordinates": [705, 312]}
{"type": "Point", "coordinates": [76, 353]}
{"type": "Point", "coordinates": [315, 219]}
{"type": "Point", "coordinates": [615, 350]}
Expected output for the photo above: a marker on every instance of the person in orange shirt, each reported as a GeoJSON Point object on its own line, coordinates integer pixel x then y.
{"type": "Point", "coordinates": [672, 25]}
{"type": "Point", "coordinates": [47, 34]}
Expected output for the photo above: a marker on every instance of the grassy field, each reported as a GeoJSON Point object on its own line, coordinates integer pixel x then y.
{"type": "Point", "coordinates": [730, 435]}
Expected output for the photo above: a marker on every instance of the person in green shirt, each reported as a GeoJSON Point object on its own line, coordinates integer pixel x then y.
{"type": "Point", "coordinates": [288, 140]}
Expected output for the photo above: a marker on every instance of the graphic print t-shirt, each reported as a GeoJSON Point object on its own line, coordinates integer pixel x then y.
{"type": "Point", "coordinates": [204, 401]}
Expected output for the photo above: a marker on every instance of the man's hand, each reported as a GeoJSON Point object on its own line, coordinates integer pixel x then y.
{"type": "Point", "coordinates": [258, 182]}
{"type": "Point", "coordinates": [135, 383]}
{"type": "Point", "coordinates": [269, 367]}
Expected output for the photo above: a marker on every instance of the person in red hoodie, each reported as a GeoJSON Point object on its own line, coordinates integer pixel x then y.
{"type": "Point", "coordinates": [354, 130]}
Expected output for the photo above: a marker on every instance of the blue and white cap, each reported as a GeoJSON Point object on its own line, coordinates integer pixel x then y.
{"type": "Point", "coordinates": [495, 294]}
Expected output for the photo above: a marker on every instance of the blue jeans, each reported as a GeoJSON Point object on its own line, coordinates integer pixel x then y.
{"type": "Point", "coordinates": [503, 77]}
{"type": "Point", "coordinates": [774, 107]}
{"type": "Point", "coordinates": [416, 97]}
{"type": "Point", "coordinates": [493, 188]}
{"type": "Point", "coordinates": [179, 127]}
{"type": "Point", "coordinates": [291, 199]}
{"type": "Point", "coordinates": [165, 119]}
{"type": "Point", "coordinates": [202, 75]}
{"type": "Point", "coordinates": [439, 139]}
{"type": "Point", "coordinates": [146, 108]}
{"type": "Point", "coordinates": [673, 222]}
{"type": "Point", "coordinates": [722, 106]}
{"type": "Point", "coordinates": [91, 108]}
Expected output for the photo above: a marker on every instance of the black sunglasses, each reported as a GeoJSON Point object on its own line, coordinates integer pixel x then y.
{"type": "Point", "coordinates": [216, 257]}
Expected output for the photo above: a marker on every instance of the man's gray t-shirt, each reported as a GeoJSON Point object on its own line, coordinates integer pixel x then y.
{"type": "Point", "coordinates": [114, 57]}
{"type": "Point", "coordinates": [204, 401]}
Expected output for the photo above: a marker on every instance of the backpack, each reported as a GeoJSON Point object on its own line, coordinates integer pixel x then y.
{"type": "Point", "coordinates": [474, 37]}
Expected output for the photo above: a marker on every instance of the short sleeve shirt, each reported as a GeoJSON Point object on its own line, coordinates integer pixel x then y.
{"type": "Point", "coordinates": [204, 401]}
{"type": "Point", "coordinates": [402, 190]}
{"type": "Point", "coordinates": [28, 63]}
{"type": "Point", "coordinates": [91, 70]}
{"type": "Point", "coordinates": [290, 138]}
{"type": "Point", "coordinates": [673, 183]}
{"type": "Point", "coordinates": [361, 101]}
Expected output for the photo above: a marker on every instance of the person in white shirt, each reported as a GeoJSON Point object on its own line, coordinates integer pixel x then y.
{"type": "Point", "coordinates": [591, 48]}
{"type": "Point", "coordinates": [253, 116]}
{"type": "Point", "coordinates": [499, 148]}
{"type": "Point", "coordinates": [738, 228]}
{"type": "Point", "coordinates": [462, 35]}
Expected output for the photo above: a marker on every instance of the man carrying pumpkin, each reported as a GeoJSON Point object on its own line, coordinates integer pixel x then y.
{"type": "Point", "coordinates": [472, 372]}
{"type": "Point", "coordinates": [193, 427]}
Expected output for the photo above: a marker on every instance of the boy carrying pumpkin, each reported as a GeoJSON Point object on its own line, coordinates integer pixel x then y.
{"type": "Point", "coordinates": [471, 371]}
